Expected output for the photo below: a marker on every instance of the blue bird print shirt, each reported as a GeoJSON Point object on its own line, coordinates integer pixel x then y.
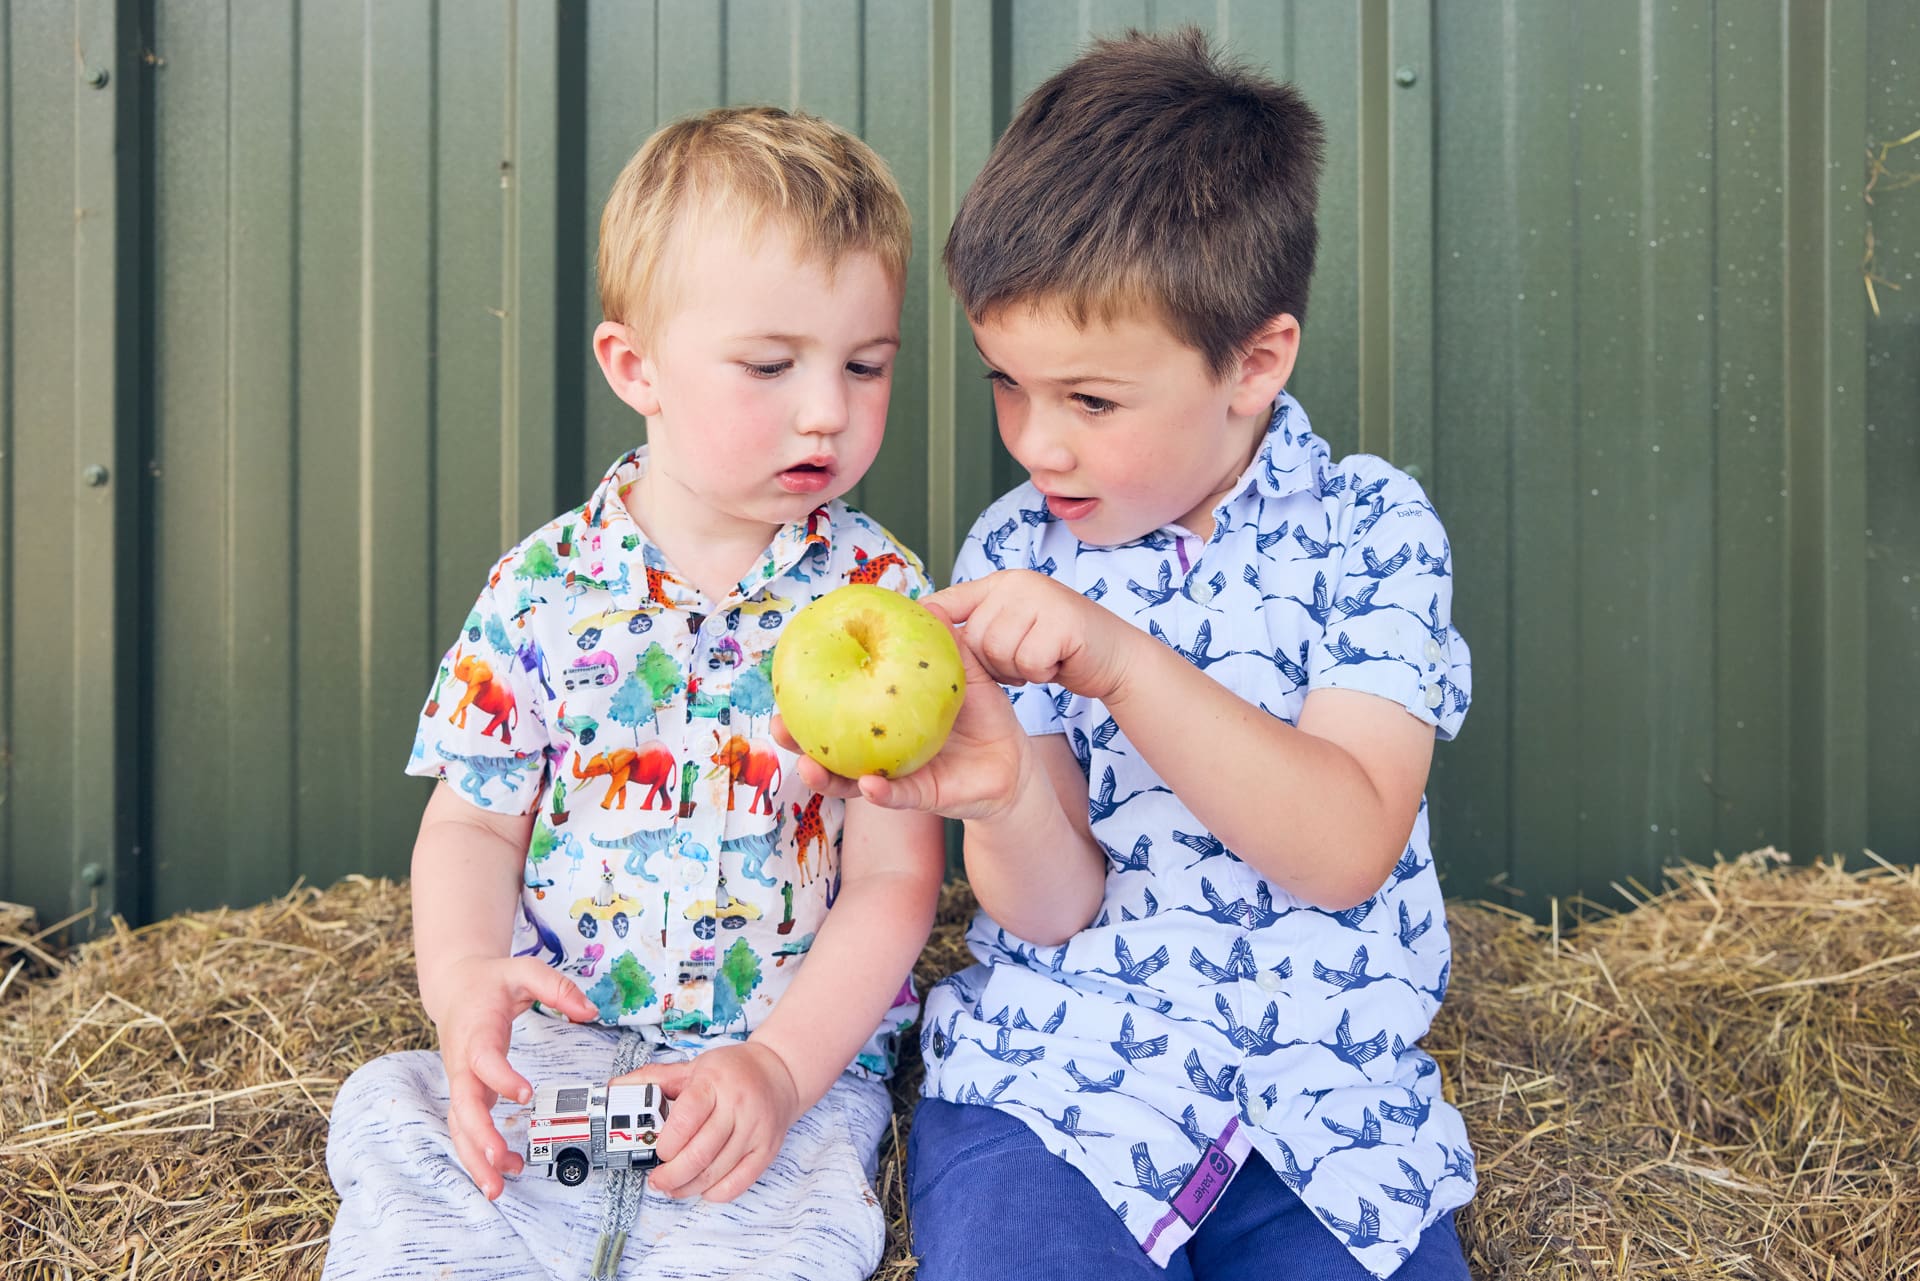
{"type": "Point", "coordinates": [1205, 1013]}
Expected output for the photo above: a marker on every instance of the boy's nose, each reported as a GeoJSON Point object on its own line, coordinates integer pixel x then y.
{"type": "Point", "coordinates": [1039, 448]}
{"type": "Point", "coordinates": [823, 411]}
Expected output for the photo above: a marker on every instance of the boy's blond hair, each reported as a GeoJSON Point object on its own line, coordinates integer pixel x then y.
{"type": "Point", "coordinates": [830, 191]}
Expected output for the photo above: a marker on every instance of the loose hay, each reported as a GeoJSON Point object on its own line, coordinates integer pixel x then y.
{"type": "Point", "coordinates": [1722, 1082]}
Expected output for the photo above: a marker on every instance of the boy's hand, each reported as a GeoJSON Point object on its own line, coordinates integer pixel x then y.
{"type": "Point", "coordinates": [473, 1046]}
{"type": "Point", "coordinates": [975, 776]}
{"type": "Point", "coordinates": [1028, 629]}
{"type": "Point", "coordinates": [732, 1108]}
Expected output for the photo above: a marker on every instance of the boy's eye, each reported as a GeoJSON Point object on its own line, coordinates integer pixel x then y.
{"type": "Point", "coordinates": [995, 376]}
{"type": "Point", "coordinates": [1093, 404]}
{"type": "Point", "coordinates": [773, 370]}
{"type": "Point", "coordinates": [861, 370]}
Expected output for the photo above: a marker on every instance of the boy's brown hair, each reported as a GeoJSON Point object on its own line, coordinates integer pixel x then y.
{"type": "Point", "coordinates": [824, 186]}
{"type": "Point", "coordinates": [1148, 173]}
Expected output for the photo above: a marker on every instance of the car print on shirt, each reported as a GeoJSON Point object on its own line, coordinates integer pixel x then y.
{"type": "Point", "coordinates": [722, 910]}
{"type": "Point", "coordinates": [606, 905]}
{"type": "Point", "coordinates": [587, 631]}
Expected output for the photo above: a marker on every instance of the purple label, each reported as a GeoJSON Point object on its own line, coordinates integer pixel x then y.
{"type": "Point", "coordinates": [1204, 1186]}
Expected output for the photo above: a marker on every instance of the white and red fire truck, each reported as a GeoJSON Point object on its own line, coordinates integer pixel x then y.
{"type": "Point", "coordinates": [578, 1126]}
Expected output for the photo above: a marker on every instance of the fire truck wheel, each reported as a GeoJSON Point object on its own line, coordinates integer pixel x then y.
{"type": "Point", "coordinates": [571, 1169]}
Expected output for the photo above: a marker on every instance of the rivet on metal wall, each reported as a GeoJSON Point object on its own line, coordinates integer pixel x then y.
{"type": "Point", "coordinates": [98, 77]}
{"type": "Point", "coordinates": [1406, 77]}
{"type": "Point", "coordinates": [93, 874]}
{"type": "Point", "coordinates": [94, 474]}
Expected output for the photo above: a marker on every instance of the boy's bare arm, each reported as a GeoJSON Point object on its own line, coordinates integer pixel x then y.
{"type": "Point", "coordinates": [1323, 810]}
{"type": "Point", "coordinates": [1036, 869]}
{"type": "Point", "coordinates": [466, 881]}
{"type": "Point", "coordinates": [467, 866]}
{"type": "Point", "coordinates": [891, 865]}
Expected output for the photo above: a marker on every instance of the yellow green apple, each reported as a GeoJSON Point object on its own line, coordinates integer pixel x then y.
{"type": "Point", "coordinates": [868, 681]}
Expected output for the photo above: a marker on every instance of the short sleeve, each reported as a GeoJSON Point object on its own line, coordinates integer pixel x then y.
{"type": "Point", "coordinates": [483, 727]}
{"type": "Point", "coordinates": [988, 548]}
{"type": "Point", "coordinates": [1389, 629]}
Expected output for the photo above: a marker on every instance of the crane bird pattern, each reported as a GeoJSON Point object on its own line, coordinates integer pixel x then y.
{"type": "Point", "coordinates": [1205, 1010]}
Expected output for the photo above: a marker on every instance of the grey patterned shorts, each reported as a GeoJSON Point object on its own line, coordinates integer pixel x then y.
{"type": "Point", "coordinates": [408, 1208]}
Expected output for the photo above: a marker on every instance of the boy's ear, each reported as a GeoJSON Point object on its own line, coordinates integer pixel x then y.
{"type": "Point", "coordinates": [1266, 364]}
{"type": "Point", "coordinates": [628, 371]}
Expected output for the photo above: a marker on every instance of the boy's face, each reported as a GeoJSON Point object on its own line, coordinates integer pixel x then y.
{"type": "Point", "coordinates": [765, 387]}
{"type": "Point", "coordinates": [1120, 424]}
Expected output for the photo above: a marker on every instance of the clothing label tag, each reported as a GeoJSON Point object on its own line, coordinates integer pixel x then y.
{"type": "Point", "coordinates": [1204, 1186]}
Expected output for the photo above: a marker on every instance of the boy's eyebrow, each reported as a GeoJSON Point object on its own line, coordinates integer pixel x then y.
{"type": "Point", "coordinates": [801, 340]}
{"type": "Point", "coordinates": [1073, 380]}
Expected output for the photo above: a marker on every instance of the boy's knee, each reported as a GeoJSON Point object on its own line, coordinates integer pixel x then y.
{"type": "Point", "coordinates": [381, 1104]}
{"type": "Point", "coordinates": [986, 1198]}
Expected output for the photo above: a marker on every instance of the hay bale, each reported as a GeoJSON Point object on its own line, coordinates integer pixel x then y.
{"type": "Point", "coordinates": [1721, 1082]}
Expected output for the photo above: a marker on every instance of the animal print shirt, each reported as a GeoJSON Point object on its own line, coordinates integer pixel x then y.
{"type": "Point", "coordinates": [1206, 1012]}
{"type": "Point", "coordinates": [678, 868]}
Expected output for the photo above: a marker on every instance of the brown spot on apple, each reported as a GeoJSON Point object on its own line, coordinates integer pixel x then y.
{"type": "Point", "coordinates": [879, 732]}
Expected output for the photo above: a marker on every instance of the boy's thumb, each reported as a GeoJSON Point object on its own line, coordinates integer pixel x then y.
{"type": "Point", "coordinates": [555, 990]}
{"type": "Point", "coordinates": [670, 1077]}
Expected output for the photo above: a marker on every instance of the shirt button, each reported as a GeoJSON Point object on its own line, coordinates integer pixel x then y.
{"type": "Point", "coordinates": [1256, 1110]}
{"type": "Point", "coordinates": [1434, 696]}
{"type": "Point", "coordinates": [1433, 650]}
{"type": "Point", "coordinates": [1269, 981]}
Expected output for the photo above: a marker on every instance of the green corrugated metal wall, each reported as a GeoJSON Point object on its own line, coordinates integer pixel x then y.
{"type": "Point", "coordinates": [311, 282]}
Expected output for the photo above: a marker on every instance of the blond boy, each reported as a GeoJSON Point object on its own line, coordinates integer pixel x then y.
{"type": "Point", "coordinates": [616, 838]}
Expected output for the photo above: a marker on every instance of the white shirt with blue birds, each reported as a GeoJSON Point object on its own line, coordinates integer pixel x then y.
{"type": "Point", "coordinates": [1206, 1013]}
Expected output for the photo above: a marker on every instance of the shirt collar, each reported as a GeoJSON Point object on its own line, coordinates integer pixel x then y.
{"type": "Point", "coordinates": [1284, 463]}
{"type": "Point", "coordinates": [623, 541]}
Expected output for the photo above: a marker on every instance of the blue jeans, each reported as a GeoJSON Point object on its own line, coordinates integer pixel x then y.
{"type": "Point", "coordinates": [988, 1200]}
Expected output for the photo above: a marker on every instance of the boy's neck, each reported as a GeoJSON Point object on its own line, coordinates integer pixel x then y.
{"type": "Point", "coordinates": [706, 548]}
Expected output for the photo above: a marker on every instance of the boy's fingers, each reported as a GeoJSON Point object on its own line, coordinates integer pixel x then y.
{"type": "Point", "coordinates": [691, 1108]}
{"type": "Point", "coordinates": [751, 1167]}
{"type": "Point", "coordinates": [476, 1142]}
{"type": "Point", "coordinates": [478, 1168]}
{"type": "Point", "coordinates": [493, 1070]}
{"type": "Point", "coordinates": [911, 792]}
{"type": "Point", "coordinates": [957, 603]}
{"type": "Point", "coordinates": [723, 1164]}
{"type": "Point", "coordinates": [670, 1077]}
{"type": "Point", "coordinates": [674, 1176]}
{"type": "Point", "coordinates": [540, 982]}
{"type": "Point", "coordinates": [825, 781]}
{"type": "Point", "coordinates": [779, 730]}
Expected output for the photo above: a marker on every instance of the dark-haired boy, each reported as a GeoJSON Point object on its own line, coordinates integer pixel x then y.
{"type": "Point", "coordinates": [1211, 934]}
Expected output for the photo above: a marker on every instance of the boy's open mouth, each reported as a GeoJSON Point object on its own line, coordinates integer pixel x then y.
{"type": "Point", "coordinates": [806, 478]}
{"type": "Point", "coordinates": [1070, 508]}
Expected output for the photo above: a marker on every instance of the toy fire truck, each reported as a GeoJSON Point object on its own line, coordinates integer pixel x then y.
{"type": "Point", "coordinates": [577, 1127]}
